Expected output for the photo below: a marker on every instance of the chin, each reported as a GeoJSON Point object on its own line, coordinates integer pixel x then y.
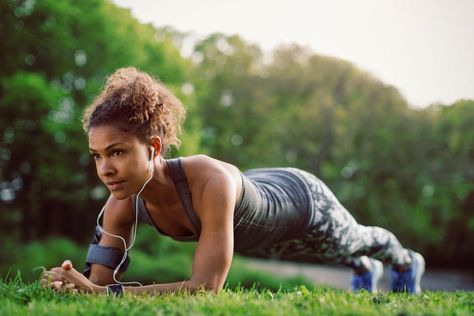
{"type": "Point", "coordinates": [120, 195]}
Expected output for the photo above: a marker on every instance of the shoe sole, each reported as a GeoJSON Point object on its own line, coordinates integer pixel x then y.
{"type": "Point", "coordinates": [377, 268]}
{"type": "Point", "coordinates": [420, 269]}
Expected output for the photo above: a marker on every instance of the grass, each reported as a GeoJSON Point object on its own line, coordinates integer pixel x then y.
{"type": "Point", "coordinates": [248, 292]}
{"type": "Point", "coordinates": [170, 261]}
{"type": "Point", "coordinates": [19, 298]}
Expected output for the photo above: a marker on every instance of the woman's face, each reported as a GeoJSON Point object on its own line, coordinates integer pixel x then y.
{"type": "Point", "coordinates": [121, 160]}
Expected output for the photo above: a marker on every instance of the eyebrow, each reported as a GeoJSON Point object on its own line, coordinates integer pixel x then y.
{"type": "Point", "coordinates": [108, 147]}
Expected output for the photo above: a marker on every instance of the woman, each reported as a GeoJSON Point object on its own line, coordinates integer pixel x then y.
{"type": "Point", "coordinates": [277, 212]}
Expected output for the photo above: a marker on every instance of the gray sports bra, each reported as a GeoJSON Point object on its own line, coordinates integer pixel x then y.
{"type": "Point", "coordinates": [179, 179]}
{"type": "Point", "coordinates": [274, 206]}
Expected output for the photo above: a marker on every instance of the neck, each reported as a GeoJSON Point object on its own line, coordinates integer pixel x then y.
{"type": "Point", "coordinates": [160, 190]}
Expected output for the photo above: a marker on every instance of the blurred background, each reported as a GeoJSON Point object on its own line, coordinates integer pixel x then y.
{"type": "Point", "coordinates": [400, 160]}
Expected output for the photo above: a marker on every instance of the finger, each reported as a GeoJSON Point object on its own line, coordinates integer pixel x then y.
{"type": "Point", "coordinates": [48, 278]}
{"type": "Point", "coordinates": [51, 276]}
{"type": "Point", "coordinates": [67, 265]}
{"type": "Point", "coordinates": [69, 286]}
{"type": "Point", "coordinates": [56, 285]}
{"type": "Point", "coordinates": [66, 288]}
{"type": "Point", "coordinates": [44, 282]}
{"type": "Point", "coordinates": [45, 274]}
{"type": "Point", "coordinates": [51, 272]}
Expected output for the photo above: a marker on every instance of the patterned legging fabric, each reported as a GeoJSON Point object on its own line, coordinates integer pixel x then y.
{"type": "Point", "coordinates": [335, 236]}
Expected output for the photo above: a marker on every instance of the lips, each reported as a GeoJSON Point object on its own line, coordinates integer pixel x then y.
{"type": "Point", "coordinates": [114, 185]}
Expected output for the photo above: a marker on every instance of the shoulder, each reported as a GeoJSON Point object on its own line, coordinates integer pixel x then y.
{"type": "Point", "coordinates": [203, 166]}
{"type": "Point", "coordinates": [201, 159]}
{"type": "Point", "coordinates": [210, 178]}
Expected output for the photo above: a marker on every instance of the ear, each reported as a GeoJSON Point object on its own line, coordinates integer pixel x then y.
{"type": "Point", "coordinates": [157, 145]}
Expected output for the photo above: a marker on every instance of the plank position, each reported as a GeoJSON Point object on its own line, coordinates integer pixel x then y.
{"type": "Point", "coordinates": [282, 213]}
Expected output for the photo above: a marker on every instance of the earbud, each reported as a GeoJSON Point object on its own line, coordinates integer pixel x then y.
{"type": "Point", "coordinates": [151, 165]}
{"type": "Point", "coordinates": [152, 152]}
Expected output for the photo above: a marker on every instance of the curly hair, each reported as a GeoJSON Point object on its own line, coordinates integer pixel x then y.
{"type": "Point", "coordinates": [135, 102]}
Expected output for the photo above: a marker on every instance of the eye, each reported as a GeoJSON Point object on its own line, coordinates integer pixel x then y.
{"type": "Point", "coordinates": [116, 152]}
{"type": "Point", "coordinates": [95, 156]}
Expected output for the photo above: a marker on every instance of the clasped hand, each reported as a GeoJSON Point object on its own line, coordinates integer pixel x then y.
{"type": "Point", "coordinates": [66, 279]}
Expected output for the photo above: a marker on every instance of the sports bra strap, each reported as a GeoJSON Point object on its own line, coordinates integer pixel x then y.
{"type": "Point", "coordinates": [182, 187]}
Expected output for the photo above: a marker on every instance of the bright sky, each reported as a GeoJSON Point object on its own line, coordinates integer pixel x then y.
{"type": "Point", "coordinates": [425, 48]}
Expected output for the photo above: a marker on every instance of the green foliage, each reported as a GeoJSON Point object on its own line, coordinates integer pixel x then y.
{"type": "Point", "coordinates": [31, 259]}
{"type": "Point", "coordinates": [55, 57]}
{"type": "Point", "coordinates": [408, 170]}
{"type": "Point", "coordinates": [18, 298]}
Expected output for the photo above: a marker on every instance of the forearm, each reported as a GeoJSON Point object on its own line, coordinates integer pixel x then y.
{"type": "Point", "coordinates": [162, 288]}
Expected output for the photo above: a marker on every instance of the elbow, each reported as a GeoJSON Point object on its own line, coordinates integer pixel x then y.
{"type": "Point", "coordinates": [213, 287]}
{"type": "Point", "coordinates": [98, 281]}
{"type": "Point", "coordinates": [210, 286]}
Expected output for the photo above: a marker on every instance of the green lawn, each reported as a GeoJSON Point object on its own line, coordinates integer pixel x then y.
{"type": "Point", "coordinates": [19, 298]}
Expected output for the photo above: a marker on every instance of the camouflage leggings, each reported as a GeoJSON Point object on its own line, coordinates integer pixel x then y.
{"type": "Point", "coordinates": [335, 236]}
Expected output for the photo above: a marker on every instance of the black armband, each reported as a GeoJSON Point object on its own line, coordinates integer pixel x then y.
{"type": "Point", "coordinates": [106, 256]}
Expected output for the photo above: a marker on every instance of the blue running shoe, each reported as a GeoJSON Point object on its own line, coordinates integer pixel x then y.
{"type": "Point", "coordinates": [368, 280]}
{"type": "Point", "coordinates": [409, 280]}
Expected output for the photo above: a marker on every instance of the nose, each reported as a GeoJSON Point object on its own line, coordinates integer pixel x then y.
{"type": "Point", "coordinates": [105, 168]}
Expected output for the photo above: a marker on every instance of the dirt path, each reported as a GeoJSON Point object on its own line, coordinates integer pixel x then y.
{"type": "Point", "coordinates": [339, 277]}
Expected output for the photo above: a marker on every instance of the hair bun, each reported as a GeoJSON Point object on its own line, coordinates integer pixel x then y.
{"type": "Point", "coordinates": [135, 98]}
{"type": "Point", "coordinates": [136, 91]}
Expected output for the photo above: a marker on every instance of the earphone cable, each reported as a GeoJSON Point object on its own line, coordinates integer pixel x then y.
{"type": "Point", "coordinates": [134, 230]}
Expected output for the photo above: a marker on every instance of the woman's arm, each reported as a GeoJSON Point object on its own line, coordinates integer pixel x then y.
{"type": "Point", "coordinates": [118, 220]}
{"type": "Point", "coordinates": [214, 251]}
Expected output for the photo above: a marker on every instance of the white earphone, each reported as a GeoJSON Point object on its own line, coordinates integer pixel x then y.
{"type": "Point", "coordinates": [151, 168]}
{"type": "Point", "coordinates": [152, 165]}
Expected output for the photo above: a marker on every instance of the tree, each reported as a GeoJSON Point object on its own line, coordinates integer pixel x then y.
{"type": "Point", "coordinates": [55, 57]}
